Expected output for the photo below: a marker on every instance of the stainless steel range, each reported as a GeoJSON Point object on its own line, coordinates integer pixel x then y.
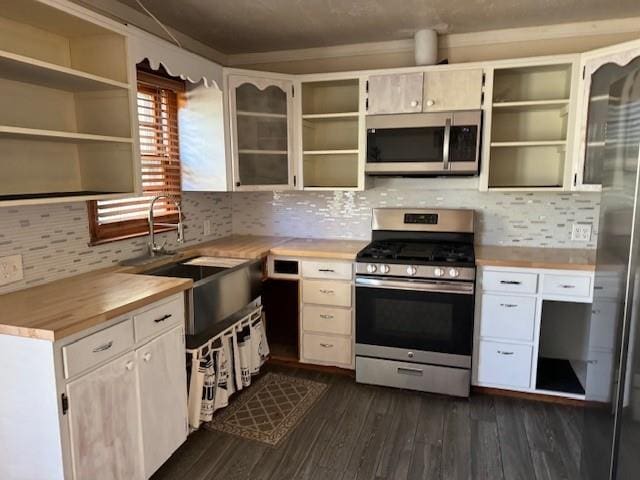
{"type": "Point", "coordinates": [415, 300]}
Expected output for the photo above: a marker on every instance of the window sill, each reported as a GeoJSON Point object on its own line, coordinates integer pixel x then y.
{"type": "Point", "coordinates": [129, 236]}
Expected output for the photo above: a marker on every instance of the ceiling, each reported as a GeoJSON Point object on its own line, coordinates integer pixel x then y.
{"type": "Point", "coordinates": [244, 26]}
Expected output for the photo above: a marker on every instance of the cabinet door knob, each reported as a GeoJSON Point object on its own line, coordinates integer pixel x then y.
{"type": "Point", "coordinates": [431, 103]}
{"type": "Point", "coordinates": [129, 365]}
{"type": "Point", "coordinates": [414, 103]}
{"type": "Point", "coordinates": [147, 356]}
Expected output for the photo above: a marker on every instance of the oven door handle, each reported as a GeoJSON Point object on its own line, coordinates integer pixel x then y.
{"type": "Point", "coordinates": [436, 286]}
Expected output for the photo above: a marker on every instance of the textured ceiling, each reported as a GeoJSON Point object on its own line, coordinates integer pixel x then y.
{"type": "Point", "coordinates": [243, 26]}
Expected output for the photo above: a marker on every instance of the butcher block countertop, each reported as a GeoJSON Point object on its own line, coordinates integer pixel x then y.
{"type": "Point", "coordinates": [320, 248]}
{"type": "Point", "coordinates": [64, 307]}
{"type": "Point", "coordinates": [532, 257]}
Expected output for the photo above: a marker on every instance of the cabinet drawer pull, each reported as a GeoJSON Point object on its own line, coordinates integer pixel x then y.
{"type": "Point", "coordinates": [567, 286]}
{"type": "Point", "coordinates": [103, 347]}
{"type": "Point", "coordinates": [328, 270]}
{"type": "Point", "coordinates": [410, 371]}
{"type": "Point", "coordinates": [510, 282]}
{"type": "Point", "coordinates": [326, 345]}
{"type": "Point", "coordinates": [163, 318]}
{"type": "Point", "coordinates": [508, 305]}
{"type": "Point", "coordinates": [502, 352]}
{"type": "Point", "coordinates": [327, 291]}
{"type": "Point", "coordinates": [326, 316]}
{"type": "Point", "coordinates": [598, 287]}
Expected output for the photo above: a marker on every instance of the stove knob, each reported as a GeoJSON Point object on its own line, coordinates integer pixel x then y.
{"type": "Point", "coordinates": [384, 269]}
{"type": "Point", "coordinates": [438, 272]}
{"type": "Point", "coordinates": [411, 270]}
{"type": "Point", "coordinates": [453, 272]}
{"type": "Point", "coordinates": [371, 268]}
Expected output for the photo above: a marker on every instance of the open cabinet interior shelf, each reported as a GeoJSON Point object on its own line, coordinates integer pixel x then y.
{"type": "Point", "coordinates": [330, 134]}
{"type": "Point", "coordinates": [529, 127]}
{"type": "Point", "coordinates": [65, 107]}
{"type": "Point", "coordinates": [563, 350]}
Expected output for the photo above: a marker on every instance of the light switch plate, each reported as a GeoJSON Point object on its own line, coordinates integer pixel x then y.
{"type": "Point", "coordinates": [11, 269]}
{"type": "Point", "coordinates": [207, 228]}
{"type": "Point", "coordinates": [581, 232]}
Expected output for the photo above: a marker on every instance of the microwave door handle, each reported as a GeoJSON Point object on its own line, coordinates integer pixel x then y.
{"type": "Point", "coordinates": [445, 147]}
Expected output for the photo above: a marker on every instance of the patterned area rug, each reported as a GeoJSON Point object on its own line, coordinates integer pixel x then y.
{"type": "Point", "coordinates": [269, 409]}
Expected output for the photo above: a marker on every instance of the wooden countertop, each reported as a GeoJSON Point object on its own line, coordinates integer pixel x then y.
{"type": "Point", "coordinates": [241, 246]}
{"type": "Point", "coordinates": [64, 307]}
{"type": "Point", "coordinates": [320, 248]}
{"type": "Point", "coordinates": [532, 257]}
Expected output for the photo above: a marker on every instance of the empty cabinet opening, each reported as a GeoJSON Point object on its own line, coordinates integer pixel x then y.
{"type": "Point", "coordinates": [330, 97]}
{"type": "Point", "coordinates": [281, 305]}
{"type": "Point", "coordinates": [563, 347]}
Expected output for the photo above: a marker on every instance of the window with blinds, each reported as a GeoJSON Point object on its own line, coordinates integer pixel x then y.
{"type": "Point", "coordinates": [158, 101]}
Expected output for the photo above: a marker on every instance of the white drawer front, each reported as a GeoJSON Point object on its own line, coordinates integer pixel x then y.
{"type": "Point", "coordinates": [89, 351]}
{"type": "Point", "coordinates": [326, 319]}
{"type": "Point", "coordinates": [567, 285]}
{"type": "Point", "coordinates": [504, 365]}
{"type": "Point", "coordinates": [511, 282]}
{"type": "Point", "coordinates": [509, 317]}
{"type": "Point", "coordinates": [335, 270]}
{"type": "Point", "coordinates": [326, 349]}
{"type": "Point", "coordinates": [325, 292]}
{"type": "Point", "coordinates": [159, 318]}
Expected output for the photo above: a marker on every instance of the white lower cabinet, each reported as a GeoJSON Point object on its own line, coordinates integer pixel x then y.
{"type": "Point", "coordinates": [104, 422]}
{"type": "Point", "coordinates": [505, 364]}
{"type": "Point", "coordinates": [163, 395]}
{"type": "Point", "coordinates": [100, 404]}
{"type": "Point", "coordinates": [529, 320]}
{"type": "Point", "coordinates": [326, 313]}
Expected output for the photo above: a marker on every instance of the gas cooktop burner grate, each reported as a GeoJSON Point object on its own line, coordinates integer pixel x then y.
{"type": "Point", "coordinates": [418, 252]}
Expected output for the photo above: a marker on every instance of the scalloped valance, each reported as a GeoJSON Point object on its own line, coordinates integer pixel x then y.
{"type": "Point", "coordinates": [177, 61]}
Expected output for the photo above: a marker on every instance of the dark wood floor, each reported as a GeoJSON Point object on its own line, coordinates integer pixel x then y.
{"type": "Point", "coordinates": [365, 432]}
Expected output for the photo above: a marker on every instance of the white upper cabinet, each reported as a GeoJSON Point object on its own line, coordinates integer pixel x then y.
{"type": "Point", "coordinates": [261, 132]}
{"type": "Point", "coordinates": [447, 90]}
{"type": "Point", "coordinates": [599, 70]}
{"type": "Point", "coordinates": [528, 128]}
{"type": "Point", "coordinates": [395, 93]}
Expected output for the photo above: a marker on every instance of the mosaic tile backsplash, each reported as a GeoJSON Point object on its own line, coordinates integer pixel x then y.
{"type": "Point", "coordinates": [53, 239]}
{"type": "Point", "coordinates": [525, 219]}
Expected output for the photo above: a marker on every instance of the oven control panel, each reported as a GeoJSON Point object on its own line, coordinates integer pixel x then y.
{"type": "Point", "coordinates": [419, 271]}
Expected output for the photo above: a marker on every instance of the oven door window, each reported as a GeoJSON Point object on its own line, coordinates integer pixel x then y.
{"type": "Point", "coordinates": [391, 145]}
{"type": "Point", "coordinates": [434, 322]}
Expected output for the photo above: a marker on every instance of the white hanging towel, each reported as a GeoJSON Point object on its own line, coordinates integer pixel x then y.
{"type": "Point", "coordinates": [227, 345]}
{"type": "Point", "coordinates": [244, 350]}
{"type": "Point", "coordinates": [209, 386]}
{"type": "Point", "coordinates": [196, 384]}
{"type": "Point", "coordinates": [259, 345]}
{"type": "Point", "coordinates": [221, 367]}
{"type": "Point", "coordinates": [237, 371]}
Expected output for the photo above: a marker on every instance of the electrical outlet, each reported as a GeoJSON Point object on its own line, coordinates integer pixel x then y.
{"type": "Point", "coordinates": [207, 228]}
{"type": "Point", "coordinates": [581, 232]}
{"type": "Point", "coordinates": [11, 269]}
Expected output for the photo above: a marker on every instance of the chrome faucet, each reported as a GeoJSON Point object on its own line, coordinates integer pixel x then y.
{"type": "Point", "coordinates": [160, 250]}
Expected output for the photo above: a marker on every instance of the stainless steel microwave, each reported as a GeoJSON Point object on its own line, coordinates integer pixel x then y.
{"type": "Point", "coordinates": [446, 143]}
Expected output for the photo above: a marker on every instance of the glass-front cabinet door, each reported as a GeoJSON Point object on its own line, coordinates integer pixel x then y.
{"type": "Point", "coordinates": [600, 70]}
{"type": "Point", "coordinates": [261, 113]}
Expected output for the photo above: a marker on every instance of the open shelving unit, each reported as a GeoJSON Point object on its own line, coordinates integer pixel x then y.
{"type": "Point", "coordinates": [529, 127]}
{"type": "Point", "coordinates": [330, 134]}
{"type": "Point", "coordinates": [66, 104]}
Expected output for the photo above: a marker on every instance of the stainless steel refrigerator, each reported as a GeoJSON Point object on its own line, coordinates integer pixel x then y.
{"type": "Point", "coordinates": [611, 429]}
